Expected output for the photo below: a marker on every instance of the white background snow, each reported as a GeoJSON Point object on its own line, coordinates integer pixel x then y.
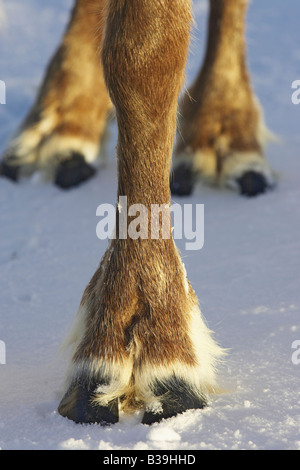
{"type": "Point", "coordinates": [247, 276]}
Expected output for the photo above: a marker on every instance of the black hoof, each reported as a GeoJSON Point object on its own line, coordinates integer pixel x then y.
{"type": "Point", "coordinates": [78, 406]}
{"type": "Point", "coordinates": [252, 184]}
{"type": "Point", "coordinates": [73, 171]}
{"type": "Point", "coordinates": [182, 180]}
{"type": "Point", "coordinates": [10, 171]}
{"type": "Point", "coordinates": [175, 397]}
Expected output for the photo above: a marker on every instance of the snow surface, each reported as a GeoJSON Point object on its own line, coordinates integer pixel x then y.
{"type": "Point", "coordinates": [246, 275]}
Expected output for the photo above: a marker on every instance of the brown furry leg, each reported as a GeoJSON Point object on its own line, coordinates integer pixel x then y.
{"type": "Point", "coordinates": [139, 340]}
{"type": "Point", "coordinates": [139, 333]}
{"type": "Point", "coordinates": [62, 132]}
{"type": "Point", "coordinates": [222, 132]}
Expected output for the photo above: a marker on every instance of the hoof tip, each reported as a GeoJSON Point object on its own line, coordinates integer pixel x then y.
{"type": "Point", "coordinates": [9, 171]}
{"type": "Point", "coordinates": [73, 171]}
{"type": "Point", "coordinates": [182, 181]}
{"type": "Point", "coordinates": [78, 406]}
{"type": "Point", "coordinates": [252, 184]}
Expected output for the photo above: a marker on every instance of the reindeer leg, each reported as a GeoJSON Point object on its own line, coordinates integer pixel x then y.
{"type": "Point", "coordinates": [62, 132]}
{"type": "Point", "coordinates": [139, 334]}
{"type": "Point", "coordinates": [222, 131]}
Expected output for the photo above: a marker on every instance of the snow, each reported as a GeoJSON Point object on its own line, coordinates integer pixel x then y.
{"type": "Point", "coordinates": [246, 276]}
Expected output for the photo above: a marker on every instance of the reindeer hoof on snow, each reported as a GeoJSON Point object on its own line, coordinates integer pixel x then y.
{"type": "Point", "coordinates": [174, 397]}
{"type": "Point", "coordinates": [252, 184]}
{"type": "Point", "coordinates": [78, 405]}
{"type": "Point", "coordinates": [182, 180]}
{"type": "Point", "coordinates": [73, 171]}
{"type": "Point", "coordinates": [9, 171]}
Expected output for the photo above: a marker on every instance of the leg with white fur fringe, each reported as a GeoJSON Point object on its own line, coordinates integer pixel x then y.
{"type": "Point", "coordinates": [222, 135]}
{"type": "Point", "coordinates": [62, 133]}
{"type": "Point", "coordinates": [139, 341]}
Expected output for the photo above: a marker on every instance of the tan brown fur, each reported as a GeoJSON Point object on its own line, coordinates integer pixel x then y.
{"type": "Point", "coordinates": [139, 337]}
{"type": "Point", "coordinates": [222, 131]}
{"type": "Point", "coordinates": [138, 313]}
{"type": "Point", "coordinates": [220, 115]}
{"type": "Point", "coordinates": [139, 324]}
{"type": "Point", "coordinates": [71, 108]}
